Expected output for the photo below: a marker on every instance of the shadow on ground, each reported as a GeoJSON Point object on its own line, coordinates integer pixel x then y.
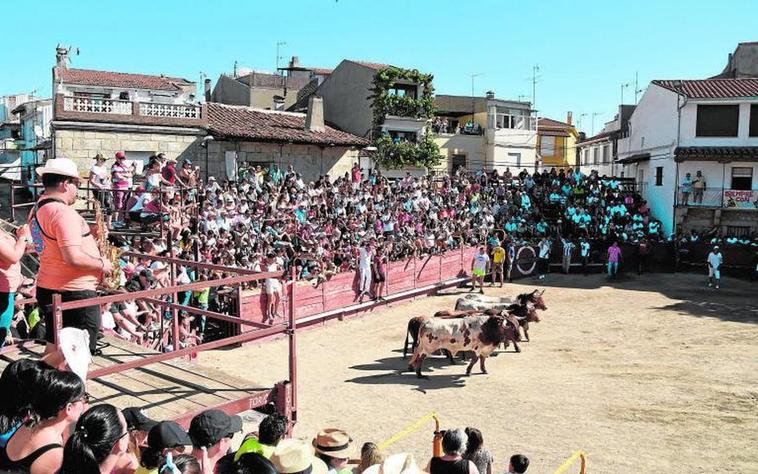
{"type": "Point", "coordinates": [736, 301]}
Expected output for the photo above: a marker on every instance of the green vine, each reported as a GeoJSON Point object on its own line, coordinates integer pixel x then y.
{"type": "Point", "coordinates": [424, 153]}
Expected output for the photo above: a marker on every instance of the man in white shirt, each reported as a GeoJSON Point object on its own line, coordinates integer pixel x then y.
{"type": "Point", "coordinates": [544, 257]}
{"type": "Point", "coordinates": [584, 253]}
{"type": "Point", "coordinates": [479, 269]}
{"type": "Point", "coordinates": [714, 264]}
{"type": "Point", "coordinates": [365, 256]}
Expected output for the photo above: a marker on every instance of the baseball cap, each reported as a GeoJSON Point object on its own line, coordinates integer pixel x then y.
{"type": "Point", "coordinates": [120, 154]}
{"type": "Point", "coordinates": [211, 426]}
{"type": "Point", "coordinates": [137, 420]}
{"type": "Point", "coordinates": [167, 434]}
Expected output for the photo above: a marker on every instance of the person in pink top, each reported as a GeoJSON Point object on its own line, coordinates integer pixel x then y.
{"type": "Point", "coordinates": [11, 250]}
{"type": "Point", "coordinates": [614, 257]}
{"type": "Point", "coordinates": [69, 263]}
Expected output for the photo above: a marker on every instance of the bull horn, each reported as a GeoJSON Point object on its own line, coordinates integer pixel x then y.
{"type": "Point", "coordinates": [535, 291]}
{"type": "Point", "coordinates": [542, 292]}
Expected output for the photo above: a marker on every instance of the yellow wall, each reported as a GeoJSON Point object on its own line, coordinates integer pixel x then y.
{"type": "Point", "coordinates": [565, 152]}
{"type": "Point", "coordinates": [472, 146]}
{"type": "Point", "coordinates": [479, 117]}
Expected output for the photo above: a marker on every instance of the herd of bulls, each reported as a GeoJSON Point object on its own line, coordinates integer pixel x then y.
{"type": "Point", "coordinates": [478, 325]}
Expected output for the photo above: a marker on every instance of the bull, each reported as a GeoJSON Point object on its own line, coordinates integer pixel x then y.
{"type": "Point", "coordinates": [483, 303]}
{"type": "Point", "coordinates": [478, 334]}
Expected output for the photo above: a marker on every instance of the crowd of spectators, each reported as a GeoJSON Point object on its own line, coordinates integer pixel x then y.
{"type": "Point", "coordinates": [48, 426]}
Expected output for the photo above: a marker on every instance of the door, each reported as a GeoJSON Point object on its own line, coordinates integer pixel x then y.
{"type": "Point", "coordinates": [458, 161]}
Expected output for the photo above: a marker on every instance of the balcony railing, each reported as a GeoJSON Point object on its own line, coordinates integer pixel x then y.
{"type": "Point", "coordinates": [169, 110]}
{"type": "Point", "coordinates": [719, 197]}
{"type": "Point", "coordinates": [516, 122]}
{"type": "Point", "coordinates": [97, 106]}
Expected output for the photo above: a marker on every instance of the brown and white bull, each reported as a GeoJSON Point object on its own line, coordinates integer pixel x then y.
{"type": "Point", "coordinates": [478, 334]}
{"type": "Point", "coordinates": [500, 303]}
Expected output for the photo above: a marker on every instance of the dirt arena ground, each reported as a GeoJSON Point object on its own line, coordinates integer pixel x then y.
{"type": "Point", "coordinates": [652, 374]}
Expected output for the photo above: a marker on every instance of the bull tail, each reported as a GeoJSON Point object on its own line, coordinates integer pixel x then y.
{"type": "Point", "coordinates": [407, 335]}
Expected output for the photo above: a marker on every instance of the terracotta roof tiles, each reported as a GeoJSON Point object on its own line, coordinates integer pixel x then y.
{"type": "Point", "coordinates": [88, 77]}
{"type": "Point", "coordinates": [712, 88]}
{"type": "Point", "coordinates": [272, 126]}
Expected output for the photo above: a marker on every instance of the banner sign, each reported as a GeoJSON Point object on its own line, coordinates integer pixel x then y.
{"type": "Point", "coordinates": [740, 199]}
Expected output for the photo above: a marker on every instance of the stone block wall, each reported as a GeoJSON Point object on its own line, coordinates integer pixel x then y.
{"type": "Point", "coordinates": [311, 161]}
{"type": "Point", "coordinates": [82, 146]}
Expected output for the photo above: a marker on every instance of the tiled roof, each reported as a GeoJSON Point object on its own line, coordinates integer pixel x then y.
{"type": "Point", "coordinates": [270, 126]}
{"type": "Point", "coordinates": [321, 71]}
{"type": "Point", "coordinates": [724, 154]}
{"type": "Point", "coordinates": [553, 133]}
{"type": "Point", "coordinates": [370, 65]}
{"type": "Point", "coordinates": [88, 77]}
{"type": "Point", "coordinates": [546, 122]}
{"type": "Point", "coordinates": [273, 81]}
{"type": "Point", "coordinates": [712, 88]}
{"type": "Point", "coordinates": [595, 138]}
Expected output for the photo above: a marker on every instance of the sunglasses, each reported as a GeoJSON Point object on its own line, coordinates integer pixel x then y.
{"type": "Point", "coordinates": [84, 399]}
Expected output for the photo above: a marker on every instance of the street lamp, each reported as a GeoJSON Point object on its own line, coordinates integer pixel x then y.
{"type": "Point", "coordinates": [206, 140]}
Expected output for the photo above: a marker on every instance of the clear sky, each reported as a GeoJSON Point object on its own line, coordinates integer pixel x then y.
{"type": "Point", "coordinates": [585, 49]}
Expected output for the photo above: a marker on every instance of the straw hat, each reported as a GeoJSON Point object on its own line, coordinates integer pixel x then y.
{"type": "Point", "coordinates": [59, 166]}
{"type": "Point", "coordinates": [294, 455]}
{"type": "Point", "coordinates": [402, 463]}
{"type": "Point", "coordinates": [333, 443]}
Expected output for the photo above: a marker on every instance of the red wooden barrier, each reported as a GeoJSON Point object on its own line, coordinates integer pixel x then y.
{"type": "Point", "coordinates": [342, 289]}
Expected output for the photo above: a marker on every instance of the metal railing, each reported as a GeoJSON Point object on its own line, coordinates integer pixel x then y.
{"type": "Point", "coordinates": [718, 197]}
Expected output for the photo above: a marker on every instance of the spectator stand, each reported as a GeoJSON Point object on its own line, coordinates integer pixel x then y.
{"type": "Point", "coordinates": [168, 388]}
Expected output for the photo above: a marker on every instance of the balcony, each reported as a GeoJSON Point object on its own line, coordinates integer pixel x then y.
{"type": "Point", "coordinates": [516, 122]}
{"type": "Point", "coordinates": [97, 109]}
{"type": "Point", "coordinates": [721, 198]}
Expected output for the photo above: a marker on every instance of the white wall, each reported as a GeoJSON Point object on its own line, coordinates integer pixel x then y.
{"type": "Point", "coordinates": [689, 121]}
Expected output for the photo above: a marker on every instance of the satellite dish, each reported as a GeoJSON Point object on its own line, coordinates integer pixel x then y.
{"type": "Point", "coordinates": [38, 130]}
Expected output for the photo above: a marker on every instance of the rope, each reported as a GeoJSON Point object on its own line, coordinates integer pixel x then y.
{"type": "Point", "coordinates": [571, 460]}
{"type": "Point", "coordinates": [407, 430]}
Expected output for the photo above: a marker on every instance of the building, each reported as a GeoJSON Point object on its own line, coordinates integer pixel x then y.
{"type": "Point", "coordinates": [556, 143]}
{"type": "Point", "coordinates": [600, 151]}
{"type": "Point", "coordinates": [742, 63]}
{"type": "Point", "coordinates": [266, 137]}
{"type": "Point", "coordinates": [707, 126]}
{"type": "Point", "coordinates": [34, 144]}
{"type": "Point", "coordinates": [263, 90]}
{"type": "Point", "coordinates": [105, 112]}
{"type": "Point", "coordinates": [350, 104]}
{"type": "Point", "coordinates": [10, 131]}
{"type": "Point", "coordinates": [485, 132]}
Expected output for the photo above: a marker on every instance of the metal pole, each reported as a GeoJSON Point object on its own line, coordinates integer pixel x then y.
{"type": "Point", "coordinates": [57, 317]}
{"type": "Point", "coordinates": [293, 345]}
{"type": "Point", "coordinates": [13, 201]}
{"type": "Point", "coordinates": [175, 296]}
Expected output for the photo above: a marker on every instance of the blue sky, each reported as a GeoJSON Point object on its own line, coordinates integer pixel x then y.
{"type": "Point", "coordinates": [585, 49]}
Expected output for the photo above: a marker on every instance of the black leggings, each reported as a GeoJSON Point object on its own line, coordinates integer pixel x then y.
{"type": "Point", "coordinates": [87, 318]}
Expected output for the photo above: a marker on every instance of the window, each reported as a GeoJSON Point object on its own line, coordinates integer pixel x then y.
{"type": "Point", "coordinates": [659, 175]}
{"type": "Point", "coordinates": [595, 155]}
{"type": "Point", "coordinates": [586, 156]}
{"type": "Point", "coordinates": [123, 96]}
{"type": "Point", "coordinates": [717, 120]}
{"type": "Point", "coordinates": [606, 154]}
{"type": "Point", "coordinates": [742, 178]}
{"type": "Point", "coordinates": [514, 158]}
{"type": "Point", "coordinates": [402, 90]}
{"type": "Point", "coordinates": [754, 120]}
{"type": "Point", "coordinates": [458, 161]}
{"type": "Point", "coordinates": [547, 146]}
{"type": "Point", "coordinates": [402, 136]}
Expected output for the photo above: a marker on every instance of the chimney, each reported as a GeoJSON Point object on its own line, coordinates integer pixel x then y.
{"type": "Point", "coordinates": [314, 119]}
{"type": "Point", "coordinates": [207, 90]}
{"type": "Point", "coordinates": [569, 117]}
{"type": "Point", "coordinates": [295, 61]}
{"type": "Point", "coordinates": [61, 57]}
{"type": "Point", "coordinates": [490, 94]}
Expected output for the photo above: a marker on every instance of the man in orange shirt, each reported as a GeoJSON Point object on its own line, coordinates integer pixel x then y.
{"type": "Point", "coordinates": [70, 262]}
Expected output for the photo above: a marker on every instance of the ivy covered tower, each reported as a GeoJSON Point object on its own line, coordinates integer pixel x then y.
{"type": "Point", "coordinates": [391, 106]}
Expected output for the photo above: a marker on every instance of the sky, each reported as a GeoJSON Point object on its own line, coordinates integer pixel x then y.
{"type": "Point", "coordinates": [585, 50]}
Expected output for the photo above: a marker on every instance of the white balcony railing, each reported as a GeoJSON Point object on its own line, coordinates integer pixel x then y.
{"type": "Point", "coordinates": [97, 106]}
{"type": "Point", "coordinates": [169, 110]}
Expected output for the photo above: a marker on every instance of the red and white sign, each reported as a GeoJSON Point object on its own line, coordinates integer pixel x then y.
{"type": "Point", "coordinates": [741, 199]}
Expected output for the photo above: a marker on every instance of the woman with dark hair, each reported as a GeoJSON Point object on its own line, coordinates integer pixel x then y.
{"type": "Point", "coordinates": [181, 464]}
{"type": "Point", "coordinates": [97, 443]}
{"type": "Point", "coordinates": [18, 383]}
{"type": "Point", "coordinates": [38, 447]}
{"type": "Point", "coordinates": [476, 452]}
{"type": "Point", "coordinates": [253, 463]}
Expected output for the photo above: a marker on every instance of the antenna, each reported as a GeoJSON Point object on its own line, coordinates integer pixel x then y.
{"type": "Point", "coordinates": [579, 120]}
{"type": "Point", "coordinates": [278, 57]}
{"type": "Point", "coordinates": [637, 89]}
{"type": "Point", "coordinates": [624, 86]}
{"type": "Point", "coordinates": [594, 114]}
{"type": "Point", "coordinates": [535, 80]}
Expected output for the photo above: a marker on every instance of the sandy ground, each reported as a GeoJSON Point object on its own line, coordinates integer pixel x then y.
{"type": "Point", "coordinates": [653, 374]}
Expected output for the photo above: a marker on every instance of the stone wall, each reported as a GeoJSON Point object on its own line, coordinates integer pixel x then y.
{"type": "Point", "coordinates": [311, 161]}
{"type": "Point", "coordinates": [82, 146]}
